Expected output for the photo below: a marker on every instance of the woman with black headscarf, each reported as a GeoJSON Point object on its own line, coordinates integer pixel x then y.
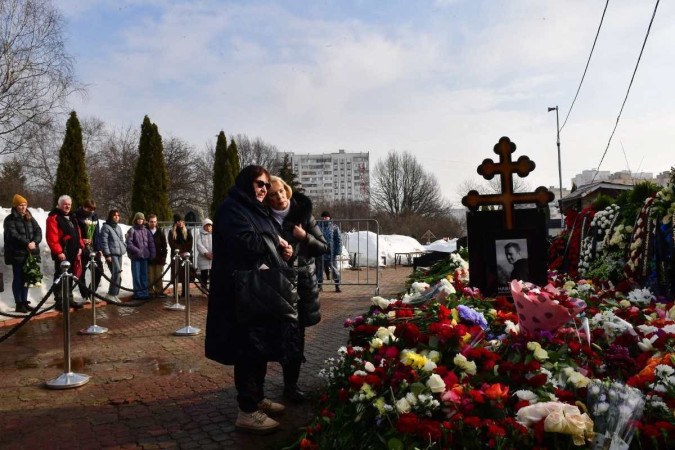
{"type": "Point", "coordinates": [238, 244]}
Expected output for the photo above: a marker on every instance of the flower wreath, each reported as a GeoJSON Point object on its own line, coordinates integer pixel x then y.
{"type": "Point", "coordinates": [638, 256]}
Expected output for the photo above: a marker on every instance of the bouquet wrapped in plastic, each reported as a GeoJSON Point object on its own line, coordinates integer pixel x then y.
{"type": "Point", "coordinates": [91, 229]}
{"type": "Point", "coordinates": [32, 275]}
{"type": "Point", "coordinates": [614, 408]}
{"type": "Point", "coordinates": [543, 309]}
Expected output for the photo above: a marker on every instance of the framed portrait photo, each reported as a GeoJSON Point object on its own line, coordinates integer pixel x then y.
{"type": "Point", "coordinates": [497, 255]}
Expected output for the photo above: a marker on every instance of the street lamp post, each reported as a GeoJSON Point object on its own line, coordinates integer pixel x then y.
{"type": "Point", "coordinates": [557, 127]}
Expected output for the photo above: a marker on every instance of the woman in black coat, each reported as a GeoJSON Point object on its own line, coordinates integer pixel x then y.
{"type": "Point", "coordinates": [238, 244]}
{"type": "Point", "coordinates": [293, 211]}
{"type": "Point", "coordinates": [22, 237]}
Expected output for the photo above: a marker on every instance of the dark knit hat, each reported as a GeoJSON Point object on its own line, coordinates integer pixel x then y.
{"type": "Point", "coordinates": [325, 214]}
{"type": "Point", "coordinates": [177, 218]}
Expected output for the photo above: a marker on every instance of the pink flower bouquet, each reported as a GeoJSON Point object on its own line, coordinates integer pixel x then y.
{"type": "Point", "coordinates": [543, 309]}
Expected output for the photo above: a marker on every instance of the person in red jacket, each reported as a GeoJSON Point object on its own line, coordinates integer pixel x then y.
{"type": "Point", "coordinates": [66, 244]}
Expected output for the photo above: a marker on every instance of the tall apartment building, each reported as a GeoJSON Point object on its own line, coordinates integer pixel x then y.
{"type": "Point", "coordinates": [333, 176]}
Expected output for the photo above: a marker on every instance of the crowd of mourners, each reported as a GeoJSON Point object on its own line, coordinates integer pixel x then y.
{"type": "Point", "coordinates": [261, 224]}
{"type": "Point", "coordinates": [79, 238]}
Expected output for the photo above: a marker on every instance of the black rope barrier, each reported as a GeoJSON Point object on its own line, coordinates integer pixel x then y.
{"type": "Point", "coordinates": [80, 283]}
{"type": "Point", "coordinates": [29, 316]}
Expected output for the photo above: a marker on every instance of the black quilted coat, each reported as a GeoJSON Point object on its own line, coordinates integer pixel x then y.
{"type": "Point", "coordinates": [237, 246]}
{"type": "Point", "coordinates": [315, 245]}
{"type": "Point", "coordinates": [19, 231]}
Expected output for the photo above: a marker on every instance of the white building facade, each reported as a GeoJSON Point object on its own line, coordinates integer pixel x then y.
{"type": "Point", "coordinates": [331, 177]}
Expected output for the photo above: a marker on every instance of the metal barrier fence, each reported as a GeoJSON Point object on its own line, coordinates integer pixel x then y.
{"type": "Point", "coordinates": [359, 253]}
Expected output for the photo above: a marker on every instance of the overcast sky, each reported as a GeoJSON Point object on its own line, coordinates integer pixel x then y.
{"type": "Point", "coordinates": [441, 79]}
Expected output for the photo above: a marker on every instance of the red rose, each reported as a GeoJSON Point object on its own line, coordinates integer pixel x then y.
{"type": "Point", "coordinates": [373, 380]}
{"type": "Point", "coordinates": [356, 381]}
{"type": "Point", "coordinates": [429, 430]}
{"type": "Point", "coordinates": [407, 423]}
{"type": "Point", "coordinates": [538, 380]}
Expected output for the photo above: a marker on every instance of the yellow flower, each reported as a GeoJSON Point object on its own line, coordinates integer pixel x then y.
{"type": "Point", "coordinates": [539, 353]}
{"type": "Point", "coordinates": [367, 390]}
{"type": "Point", "coordinates": [465, 365]}
{"type": "Point", "coordinates": [376, 343]}
{"type": "Point", "coordinates": [379, 405]}
{"type": "Point", "coordinates": [410, 358]}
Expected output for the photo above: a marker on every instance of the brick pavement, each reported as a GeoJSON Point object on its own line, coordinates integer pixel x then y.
{"type": "Point", "coordinates": [150, 389]}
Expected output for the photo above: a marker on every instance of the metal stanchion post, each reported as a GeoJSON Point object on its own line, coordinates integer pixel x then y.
{"type": "Point", "coordinates": [93, 328]}
{"type": "Point", "coordinates": [176, 264]}
{"type": "Point", "coordinates": [67, 379]}
{"type": "Point", "coordinates": [187, 330]}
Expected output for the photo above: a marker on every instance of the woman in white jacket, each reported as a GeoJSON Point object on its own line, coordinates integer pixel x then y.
{"type": "Point", "coordinates": [204, 252]}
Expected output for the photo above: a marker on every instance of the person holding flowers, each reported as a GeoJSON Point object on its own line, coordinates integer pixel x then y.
{"type": "Point", "coordinates": [91, 235]}
{"type": "Point", "coordinates": [22, 236]}
{"type": "Point", "coordinates": [242, 226]}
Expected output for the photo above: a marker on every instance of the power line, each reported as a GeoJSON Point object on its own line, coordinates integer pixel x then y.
{"type": "Point", "coordinates": [587, 63]}
{"type": "Point", "coordinates": [628, 91]}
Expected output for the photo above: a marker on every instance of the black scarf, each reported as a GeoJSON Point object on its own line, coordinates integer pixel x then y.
{"type": "Point", "coordinates": [69, 227]}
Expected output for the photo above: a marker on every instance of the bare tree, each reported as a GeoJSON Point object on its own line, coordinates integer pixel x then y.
{"type": "Point", "coordinates": [36, 72]}
{"type": "Point", "coordinates": [257, 151]}
{"type": "Point", "coordinates": [493, 186]}
{"type": "Point", "coordinates": [203, 168]}
{"type": "Point", "coordinates": [181, 160]}
{"type": "Point", "coordinates": [41, 156]}
{"type": "Point", "coordinates": [402, 187]}
{"type": "Point", "coordinates": [111, 168]}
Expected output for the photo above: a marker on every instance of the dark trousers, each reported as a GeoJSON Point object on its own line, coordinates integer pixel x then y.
{"type": "Point", "coordinates": [249, 379]}
{"type": "Point", "coordinates": [291, 368]}
{"type": "Point", "coordinates": [58, 289]}
{"type": "Point", "coordinates": [98, 272]}
{"type": "Point", "coordinates": [19, 291]}
{"type": "Point", "coordinates": [204, 278]}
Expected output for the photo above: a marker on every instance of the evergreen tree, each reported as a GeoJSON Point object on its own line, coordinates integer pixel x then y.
{"type": "Point", "coordinates": [150, 191]}
{"type": "Point", "coordinates": [233, 161]}
{"type": "Point", "coordinates": [71, 173]}
{"type": "Point", "coordinates": [221, 173]}
{"type": "Point", "coordinates": [12, 181]}
{"type": "Point", "coordinates": [286, 173]}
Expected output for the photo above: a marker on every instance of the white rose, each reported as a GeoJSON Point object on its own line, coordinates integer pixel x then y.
{"type": "Point", "coordinates": [380, 302]}
{"type": "Point", "coordinates": [402, 406]}
{"type": "Point", "coordinates": [369, 367]}
{"type": "Point", "coordinates": [436, 384]}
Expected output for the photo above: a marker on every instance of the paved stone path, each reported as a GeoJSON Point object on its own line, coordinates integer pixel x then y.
{"type": "Point", "coordinates": [150, 389]}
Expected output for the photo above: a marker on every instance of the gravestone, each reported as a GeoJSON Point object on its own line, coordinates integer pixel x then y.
{"type": "Point", "coordinates": [506, 243]}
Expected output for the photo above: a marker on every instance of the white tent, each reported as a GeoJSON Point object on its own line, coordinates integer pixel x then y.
{"type": "Point", "coordinates": [362, 247]}
{"type": "Point", "coordinates": [442, 245]}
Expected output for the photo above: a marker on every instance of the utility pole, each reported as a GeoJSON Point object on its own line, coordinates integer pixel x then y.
{"type": "Point", "coordinates": [557, 127]}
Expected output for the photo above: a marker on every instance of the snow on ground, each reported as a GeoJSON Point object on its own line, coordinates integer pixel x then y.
{"type": "Point", "coordinates": [36, 294]}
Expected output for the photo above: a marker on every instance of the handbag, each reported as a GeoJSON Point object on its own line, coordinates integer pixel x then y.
{"type": "Point", "coordinates": [266, 294]}
{"type": "Point", "coordinates": [77, 268]}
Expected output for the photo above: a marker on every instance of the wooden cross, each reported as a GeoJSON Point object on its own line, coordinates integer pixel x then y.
{"type": "Point", "coordinates": [506, 168]}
